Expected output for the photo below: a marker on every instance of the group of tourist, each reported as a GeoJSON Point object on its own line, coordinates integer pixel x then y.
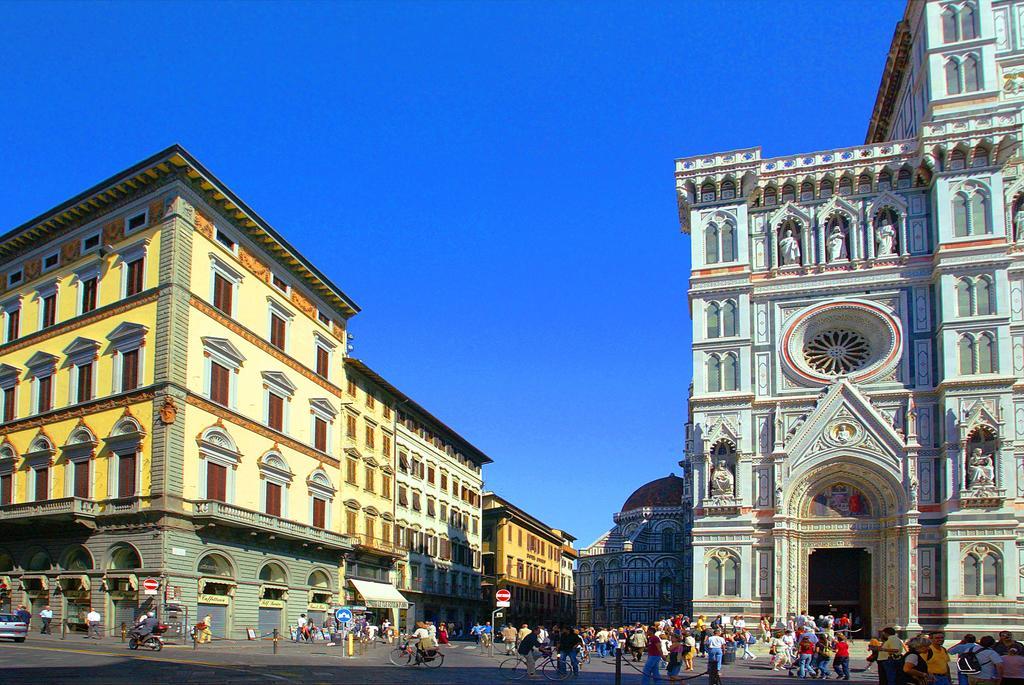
{"type": "Point", "coordinates": [925, 659]}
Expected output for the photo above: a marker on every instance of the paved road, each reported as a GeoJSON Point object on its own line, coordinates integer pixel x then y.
{"type": "Point", "coordinates": [42, 661]}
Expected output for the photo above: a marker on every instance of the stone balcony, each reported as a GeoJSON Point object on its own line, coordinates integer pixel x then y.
{"type": "Point", "coordinates": [374, 545]}
{"type": "Point", "coordinates": [63, 509]}
{"type": "Point", "coordinates": [215, 513]}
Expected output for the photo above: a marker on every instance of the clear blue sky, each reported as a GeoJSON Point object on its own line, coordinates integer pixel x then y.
{"type": "Point", "coordinates": [492, 183]}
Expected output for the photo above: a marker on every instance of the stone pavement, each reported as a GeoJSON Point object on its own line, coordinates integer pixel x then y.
{"type": "Point", "coordinates": [77, 661]}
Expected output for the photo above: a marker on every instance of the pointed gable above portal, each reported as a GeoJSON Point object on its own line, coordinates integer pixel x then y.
{"type": "Point", "coordinates": [844, 422]}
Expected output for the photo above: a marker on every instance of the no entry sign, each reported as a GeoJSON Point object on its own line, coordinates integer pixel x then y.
{"type": "Point", "coordinates": [503, 596]}
{"type": "Point", "coordinates": [151, 586]}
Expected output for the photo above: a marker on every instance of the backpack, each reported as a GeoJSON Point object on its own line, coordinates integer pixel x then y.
{"type": "Point", "coordinates": [968, 662]}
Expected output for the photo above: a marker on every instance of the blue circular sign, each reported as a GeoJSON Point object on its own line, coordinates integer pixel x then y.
{"type": "Point", "coordinates": [343, 615]}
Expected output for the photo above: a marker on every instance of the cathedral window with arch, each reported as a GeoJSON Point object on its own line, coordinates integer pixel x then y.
{"type": "Point", "coordinates": [827, 188]}
{"type": "Point", "coordinates": [723, 574]}
{"type": "Point", "coordinates": [806, 191]}
{"type": "Point", "coordinates": [977, 353]}
{"type": "Point", "coordinates": [885, 181]}
{"type": "Point", "coordinates": [845, 186]}
{"type": "Point", "coordinates": [713, 317]}
{"type": "Point", "coordinates": [668, 540]}
{"type": "Point", "coordinates": [981, 157]}
{"type": "Point", "coordinates": [970, 213]}
{"type": "Point", "coordinates": [864, 183]}
{"type": "Point", "coordinates": [711, 240]}
{"type": "Point", "coordinates": [728, 189]}
{"type": "Point", "coordinates": [770, 196]}
{"type": "Point", "coordinates": [974, 296]}
{"type": "Point", "coordinates": [721, 319]}
{"type": "Point", "coordinates": [962, 75]}
{"type": "Point", "coordinates": [707, 192]}
{"type": "Point", "coordinates": [904, 179]}
{"type": "Point", "coordinates": [719, 243]}
{"type": "Point", "coordinates": [722, 372]}
{"type": "Point", "coordinates": [954, 79]}
{"type": "Point", "coordinates": [950, 25]}
{"type": "Point", "coordinates": [968, 26]}
{"type": "Point", "coordinates": [957, 160]}
{"type": "Point", "coordinates": [667, 590]}
{"type": "Point", "coordinates": [788, 193]}
{"type": "Point", "coordinates": [981, 573]}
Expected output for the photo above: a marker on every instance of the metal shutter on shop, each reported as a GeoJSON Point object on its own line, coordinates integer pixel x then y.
{"type": "Point", "coordinates": [125, 611]}
{"type": "Point", "coordinates": [268, 620]}
{"type": "Point", "coordinates": [316, 618]}
{"type": "Point", "coordinates": [218, 616]}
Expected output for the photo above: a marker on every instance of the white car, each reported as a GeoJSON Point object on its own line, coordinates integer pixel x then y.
{"type": "Point", "coordinates": [13, 628]}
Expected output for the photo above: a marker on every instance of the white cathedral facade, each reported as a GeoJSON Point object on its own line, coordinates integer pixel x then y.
{"type": "Point", "coordinates": [856, 423]}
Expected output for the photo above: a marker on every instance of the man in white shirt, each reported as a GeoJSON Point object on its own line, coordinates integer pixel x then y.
{"type": "Point", "coordinates": [602, 642]}
{"type": "Point", "coordinates": [739, 623]}
{"type": "Point", "coordinates": [47, 615]}
{"type": "Point", "coordinates": [300, 624]}
{"type": "Point", "coordinates": [93, 618]}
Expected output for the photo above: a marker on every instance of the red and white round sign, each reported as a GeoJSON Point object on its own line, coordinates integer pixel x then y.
{"type": "Point", "coordinates": [151, 584]}
{"type": "Point", "coordinates": [503, 596]}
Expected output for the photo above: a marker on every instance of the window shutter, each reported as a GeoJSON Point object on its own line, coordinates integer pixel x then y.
{"type": "Point", "coordinates": [319, 513]}
{"type": "Point", "coordinates": [82, 479]}
{"type": "Point", "coordinates": [273, 499]}
{"type": "Point", "coordinates": [275, 411]}
{"type": "Point", "coordinates": [220, 380]}
{"type": "Point", "coordinates": [126, 474]}
{"type": "Point", "coordinates": [216, 482]}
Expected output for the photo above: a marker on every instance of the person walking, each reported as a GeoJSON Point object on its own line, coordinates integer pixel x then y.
{"type": "Point", "coordinates": [841, 661]}
{"type": "Point", "coordinates": [675, 655]}
{"type": "Point", "coordinates": [805, 652]}
{"type": "Point", "coordinates": [746, 640]}
{"type": "Point", "coordinates": [510, 638]}
{"type": "Point", "coordinates": [713, 646]}
{"type": "Point", "coordinates": [690, 648]}
{"type": "Point", "coordinates": [601, 639]}
{"type": "Point", "coordinates": [889, 653]}
{"type": "Point", "coordinates": [654, 656]}
{"type": "Point", "coordinates": [915, 665]}
{"type": "Point", "coordinates": [568, 643]}
{"type": "Point", "coordinates": [46, 616]}
{"type": "Point", "coordinates": [93, 620]}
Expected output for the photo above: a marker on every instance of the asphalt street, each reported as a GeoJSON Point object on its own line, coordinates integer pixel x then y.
{"type": "Point", "coordinates": [42, 660]}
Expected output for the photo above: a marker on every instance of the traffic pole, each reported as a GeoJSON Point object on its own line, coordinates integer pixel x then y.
{"type": "Point", "coordinates": [618, 665]}
{"type": "Point", "coordinates": [276, 638]}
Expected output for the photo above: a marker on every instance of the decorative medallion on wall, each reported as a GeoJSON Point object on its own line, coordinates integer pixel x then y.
{"type": "Point", "coordinates": [856, 338]}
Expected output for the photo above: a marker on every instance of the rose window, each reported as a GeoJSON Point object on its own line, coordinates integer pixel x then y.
{"type": "Point", "coordinates": [837, 351]}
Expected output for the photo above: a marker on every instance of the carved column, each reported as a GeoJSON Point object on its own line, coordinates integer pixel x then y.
{"type": "Point", "coordinates": [903, 235]}
{"type": "Point", "coordinates": [772, 261]}
{"type": "Point", "coordinates": [869, 235]}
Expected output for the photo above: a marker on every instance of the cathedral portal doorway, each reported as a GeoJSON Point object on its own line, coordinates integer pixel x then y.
{"type": "Point", "coordinates": [839, 582]}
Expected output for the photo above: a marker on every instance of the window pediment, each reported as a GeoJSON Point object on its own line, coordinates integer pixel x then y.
{"type": "Point", "coordinates": [41, 363]}
{"type": "Point", "coordinates": [323, 406]}
{"type": "Point", "coordinates": [222, 349]}
{"type": "Point", "coordinates": [127, 335]}
{"type": "Point", "coordinates": [82, 350]}
{"type": "Point", "coordinates": [279, 382]}
{"type": "Point", "coordinates": [8, 375]}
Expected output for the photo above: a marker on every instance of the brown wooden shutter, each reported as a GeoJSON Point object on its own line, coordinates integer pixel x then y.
{"type": "Point", "coordinates": [85, 382]}
{"type": "Point", "coordinates": [220, 383]}
{"type": "Point", "coordinates": [45, 393]}
{"type": "Point", "coordinates": [42, 484]}
{"type": "Point", "coordinates": [82, 479]}
{"type": "Point", "coordinates": [126, 474]}
{"type": "Point", "coordinates": [322, 361]}
{"type": "Point", "coordinates": [319, 513]}
{"type": "Point", "coordinates": [216, 482]}
{"type": "Point", "coordinates": [9, 407]}
{"type": "Point", "coordinates": [275, 411]}
{"type": "Point", "coordinates": [273, 499]}
{"type": "Point", "coordinates": [320, 437]}
{"type": "Point", "coordinates": [129, 370]}
{"type": "Point", "coordinates": [133, 285]}
{"type": "Point", "coordinates": [222, 294]}
{"type": "Point", "coordinates": [277, 329]}
{"type": "Point", "coordinates": [6, 481]}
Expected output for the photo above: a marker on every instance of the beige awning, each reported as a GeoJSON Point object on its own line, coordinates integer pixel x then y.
{"type": "Point", "coordinates": [44, 582]}
{"type": "Point", "coordinates": [283, 589]}
{"type": "Point", "coordinates": [69, 579]}
{"type": "Point", "coordinates": [380, 595]}
{"type": "Point", "coordinates": [131, 581]}
{"type": "Point", "coordinates": [5, 583]}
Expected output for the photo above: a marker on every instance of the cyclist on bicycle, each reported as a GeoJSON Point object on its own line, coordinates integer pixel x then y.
{"type": "Point", "coordinates": [527, 647]}
{"type": "Point", "coordinates": [425, 645]}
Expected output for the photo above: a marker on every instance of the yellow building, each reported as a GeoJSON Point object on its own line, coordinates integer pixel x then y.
{"type": "Point", "coordinates": [172, 395]}
{"type": "Point", "coordinates": [525, 556]}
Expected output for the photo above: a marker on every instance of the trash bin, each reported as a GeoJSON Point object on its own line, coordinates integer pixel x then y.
{"type": "Point", "coordinates": [729, 653]}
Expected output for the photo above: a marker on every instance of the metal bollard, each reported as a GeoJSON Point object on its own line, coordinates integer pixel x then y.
{"type": "Point", "coordinates": [351, 645]}
{"type": "Point", "coordinates": [618, 665]}
{"type": "Point", "coordinates": [276, 638]}
{"type": "Point", "coordinates": [124, 631]}
{"type": "Point", "coordinates": [63, 628]}
{"type": "Point", "coordinates": [195, 639]}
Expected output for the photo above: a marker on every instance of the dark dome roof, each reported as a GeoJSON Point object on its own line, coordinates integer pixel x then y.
{"type": "Point", "coordinates": [664, 492]}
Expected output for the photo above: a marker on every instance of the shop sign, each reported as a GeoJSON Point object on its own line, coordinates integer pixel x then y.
{"type": "Point", "coordinates": [214, 599]}
{"type": "Point", "coordinates": [271, 604]}
{"type": "Point", "coordinates": [318, 606]}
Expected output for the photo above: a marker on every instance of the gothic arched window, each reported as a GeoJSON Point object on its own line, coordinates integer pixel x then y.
{"type": "Point", "coordinates": [968, 29]}
{"type": "Point", "coordinates": [885, 181]}
{"type": "Point", "coordinates": [666, 591]}
{"type": "Point", "coordinates": [707, 192]}
{"type": "Point", "coordinates": [769, 196]}
{"type": "Point", "coordinates": [806, 191]}
{"type": "Point", "coordinates": [713, 318]}
{"type": "Point", "coordinates": [985, 346]}
{"type": "Point", "coordinates": [711, 237]}
{"type": "Point", "coordinates": [903, 179]}
{"type": "Point", "coordinates": [788, 193]}
{"type": "Point", "coordinates": [730, 372]}
{"type": "Point", "coordinates": [728, 238]}
{"type": "Point", "coordinates": [731, 580]}
{"type": "Point", "coordinates": [729, 319]}
{"type": "Point", "coordinates": [972, 74]}
{"type": "Point", "coordinates": [953, 77]}
{"type": "Point", "coordinates": [957, 160]}
{"type": "Point", "coordinates": [983, 296]}
{"type": "Point", "coordinates": [964, 297]}
{"type": "Point", "coordinates": [965, 352]}
{"type": "Point", "coordinates": [979, 214]}
{"type": "Point", "coordinates": [950, 26]}
{"type": "Point", "coordinates": [864, 183]}
{"type": "Point", "coordinates": [845, 186]}
{"type": "Point", "coordinates": [728, 189]}
{"type": "Point", "coordinates": [827, 188]}
{"type": "Point", "coordinates": [961, 227]}
{"type": "Point", "coordinates": [668, 540]}
{"type": "Point", "coordinates": [981, 572]}
{"type": "Point", "coordinates": [714, 373]}
{"type": "Point", "coordinates": [723, 573]}
{"type": "Point", "coordinates": [981, 157]}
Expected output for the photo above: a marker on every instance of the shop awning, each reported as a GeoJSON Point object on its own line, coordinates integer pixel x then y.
{"type": "Point", "coordinates": [66, 580]}
{"type": "Point", "coordinates": [30, 583]}
{"type": "Point", "coordinates": [283, 589]}
{"type": "Point", "coordinates": [380, 595]}
{"type": "Point", "coordinates": [205, 582]}
{"type": "Point", "coordinates": [131, 581]}
{"type": "Point", "coordinates": [5, 583]}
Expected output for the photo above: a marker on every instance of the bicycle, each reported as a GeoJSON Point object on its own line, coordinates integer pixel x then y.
{"type": "Point", "coordinates": [514, 668]}
{"type": "Point", "coordinates": [408, 654]}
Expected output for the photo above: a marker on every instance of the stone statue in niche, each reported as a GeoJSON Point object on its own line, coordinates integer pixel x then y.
{"type": "Point", "coordinates": [1018, 223]}
{"type": "Point", "coordinates": [886, 236]}
{"type": "Point", "coordinates": [836, 242]}
{"type": "Point", "coordinates": [721, 480]}
{"type": "Point", "coordinates": [790, 247]}
{"type": "Point", "coordinates": [980, 470]}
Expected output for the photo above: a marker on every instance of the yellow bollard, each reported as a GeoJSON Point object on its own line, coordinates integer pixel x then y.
{"type": "Point", "coordinates": [351, 644]}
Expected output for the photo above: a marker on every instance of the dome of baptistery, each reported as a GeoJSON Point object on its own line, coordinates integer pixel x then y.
{"type": "Point", "coordinates": [664, 492]}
